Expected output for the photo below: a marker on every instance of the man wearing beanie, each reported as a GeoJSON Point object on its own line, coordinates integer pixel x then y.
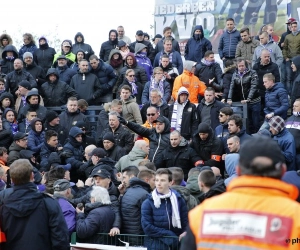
{"type": "Point", "coordinates": [208, 146]}
{"type": "Point", "coordinates": [113, 151]}
{"type": "Point", "coordinates": [296, 84]}
{"type": "Point", "coordinates": [24, 88]}
{"type": "Point", "coordinates": [188, 80]}
{"type": "Point", "coordinates": [36, 71]}
{"type": "Point", "coordinates": [52, 123]}
{"type": "Point", "coordinates": [285, 141]}
{"type": "Point", "coordinates": [239, 216]}
{"type": "Point", "coordinates": [86, 140]}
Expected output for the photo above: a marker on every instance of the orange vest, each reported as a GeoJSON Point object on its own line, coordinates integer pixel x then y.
{"type": "Point", "coordinates": [192, 83]}
{"type": "Point", "coordinates": [254, 213]}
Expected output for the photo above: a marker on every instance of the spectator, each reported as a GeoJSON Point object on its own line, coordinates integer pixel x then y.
{"type": "Point", "coordinates": [54, 88]}
{"type": "Point", "coordinates": [5, 40]}
{"type": "Point", "coordinates": [167, 33]}
{"type": "Point", "coordinates": [25, 206]}
{"type": "Point", "coordinates": [285, 141]}
{"type": "Point", "coordinates": [86, 139]}
{"type": "Point", "coordinates": [157, 82]}
{"type": "Point", "coordinates": [231, 162]}
{"type": "Point", "coordinates": [207, 146]}
{"type": "Point", "coordinates": [53, 123]}
{"type": "Point", "coordinates": [296, 84]}
{"type": "Point", "coordinates": [156, 39]}
{"type": "Point", "coordinates": [36, 136]}
{"type": "Point", "coordinates": [64, 72]}
{"type": "Point", "coordinates": [138, 154]}
{"type": "Point", "coordinates": [8, 57]}
{"type": "Point", "coordinates": [158, 208]}
{"type": "Point", "coordinates": [28, 46]}
{"type": "Point", "coordinates": [86, 168]}
{"type": "Point", "coordinates": [170, 72]}
{"type": "Point", "coordinates": [121, 35]}
{"type": "Point", "coordinates": [174, 55]}
{"type": "Point", "coordinates": [222, 130]}
{"type": "Point", "coordinates": [25, 125]}
{"type": "Point", "coordinates": [115, 60]}
{"type": "Point", "coordinates": [79, 55]}
{"type": "Point", "coordinates": [6, 101]}
{"type": "Point", "coordinates": [157, 101]}
{"type": "Point", "coordinates": [9, 121]}
{"type": "Point", "coordinates": [233, 144]}
{"type": "Point", "coordinates": [122, 135]}
{"type": "Point", "coordinates": [209, 108]}
{"type": "Point", "coordinates": [192, 183]}
{"type": "Point", "coordinates": [124, 49]}
{"type": "Point", "coordinates": [66, 51]}
{"type": "Point", "coordinates": [113, 151]}
{"type": "Point", "coordinates": [178, 153]}
{"type": "Point", "coordinates": [99, 219]}
{"type": "Point", "coordinates": [19, 143]}
{"type": "Point", "coordinates": [229, 69]}
{"type": "Point", "coordinates": [229, 41]}
{"type": "Point", "coordinates": [3, 179]}
{"type": "Point", "coordinates": [23, 90]}
{"type": "Point", "coordinates": [197, 45]}
{"type": "Point", "coordinates": [107, 46]}
{"type": "Point", "coordinates": [142, 59]}
{"type": "Point", "coordinates": [80, 44]}
{"type": "Point", "coordinates": [260, 169]}
{"type": "Point", "coordinates": [44, 55]}
{"type": "Point", "coordinates": [190, 81]}
{"type": "Point", "coordinates": [183, 115]}
{"type": "Point", "coordinates": [3, 159]}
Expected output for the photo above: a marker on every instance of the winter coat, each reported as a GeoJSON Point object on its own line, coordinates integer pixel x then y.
{"type": "Point", "coordinates": [122, 136]}
{"type": "Point", "coordinates": [131, 111]}
{"type": "Point", "coordinates": [11, 99]}
{"type": "Point", "coordinates": [8, 125]}
{"type": "Point", "coordinates": [102, 121]}
{"type": "Point", "coordinates": [291, 46]}
{"type": "Point", "coordinates": [194, 48]}
{"type": "Point", "coordinates": [133, 158]}
{"type": "Point", "coordinates": [228, 43]}
{"type": "Point", "coordinates": [166, 91]}
{"type": "Point", "coordinates": [10, 42]}
{"type": "Point", "coordinates": [68, 119]}
{"type": "Point", "coordinates": [25, 207]}
{"type": "Point", "coordinates": [7, 65]}
{"type": "Point", "coordinates": [163, 109]}
{"type": "Point", "coordinates": [244, 87]}
{"type": "Point", "coordinates": [107, 46]}
{"type": "Point", "coordinates": [31, 47]}
{"type": "Point", "coordinates": [37, 72]}
{"type": "Point", "coordinates": [182, 156]}
{"type": "Point", "coordinates": [157, 222]}
{"type": "Point", "coordinates": [276, 101]}
{"type": "Point", "coordinates": [209, 150]}
{"type": "Point", "coordinates": [60, 130]}
{"type": "Point", "coordinates": [190, 119]}
{"type": "Point", "coordinates": [6, 138]}
{"type": "Point", "coordinates": [286, 142]}
{"type": "Point", "coordinates": [99, 219]}
{"type": "Point", "coordinates": [292, 124]}
{"type": "Point", "coordinates": [142, 59]}
{"type": "Point", "coordinates": [87, 86]}
{"type": "Point", "coordinates": [88, 51]}
{"type": "Point", "coordinates": [150, 51]}
{"type": "Point", "coordinates": [46, 150]}
{"type": "Point", "coordinates": [65, 73]}
{"type": "Point", "coordinates": [193, 187]}
{"type": "Point", "coordinates": [35, 141]}
{"type": "Point", "coordinates": [131, 204]}
{"type": "Point", "coordinates": [190, 200]}
{"type": "Point", "coordinates": [243, 138]}
{"type": "Point", "coordinates": [115, 153]}
{"type": "Point", "coordinates": [246, 49]}
{"type": "Point", "coordinates": [138, 95]}
{"type": "Point", "coordinates": [107, 79]}
{"type": "Point", "coordinates": [44, 56]}
{"type": "Point", "coordinates": [296, 83]}
{"type": "Point", "coordinates": [261, 70]}
{"type": "Point", "coordinates": [216, 189]}
{"type": "Point", "coordinates": [160, 45]}
{"type": "Point", "coordinates": [222, 130]}
{"type": "Point", "coordinates": [214, 112]}
{"type": "Point", "coordinates": [231, 161]}
{"type": "Point", "coordinates": [275, 53]}
{"type": "Point", "coordinates": [227, 76]}
{"type": "Point", "coordinates": [172, 72]}
{"type": "Point", "coordinates": [70, 58]}
{"type": "Point", "coordinates": [14, 153]}
{"type": "Point", "coordinates": [176, 60]}
{"type": "Point", "coordinates": [56, 93]}
{"type": "Point", "coordinates": [158, 142]}
{"type": "Point", "coordinates": [213, 71]}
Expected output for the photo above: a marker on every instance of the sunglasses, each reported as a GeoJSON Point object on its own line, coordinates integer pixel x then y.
{"type": "Point", "coordinates": [220, 115]}
{"type": "Point", "coordinates": [152, 114]}
{"type": "Point", "coordinates": [131, 75]}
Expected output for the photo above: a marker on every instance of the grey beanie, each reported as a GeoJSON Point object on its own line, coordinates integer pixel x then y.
{"type": "Point", "coordinates": [27, 54]}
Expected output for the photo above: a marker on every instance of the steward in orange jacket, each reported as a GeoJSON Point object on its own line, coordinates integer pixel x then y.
{"type": "Point", "coordinates": [258, 211]}
{"type": "Point", "coordinates": [188, 80]}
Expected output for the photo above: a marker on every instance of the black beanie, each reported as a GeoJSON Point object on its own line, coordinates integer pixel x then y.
{"type": "Point", "coordinates": [203, 128]}
{"type": "Point", "coordinates": [296, 61]}
{"type": "Point", "coordinates": [51, 115]}
{"type": "Point", "coordinates": [109, 136]}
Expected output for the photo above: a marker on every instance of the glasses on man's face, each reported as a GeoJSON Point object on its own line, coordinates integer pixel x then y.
{"type": "Point", "coordinates": [131, 75]}
{"type": "Point", "coordinates": [151, 114]}
{"type": "Point", "coordinates": [221, 115]}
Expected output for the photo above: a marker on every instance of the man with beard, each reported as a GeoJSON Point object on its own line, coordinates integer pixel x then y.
{"type": "Point", "coordinates": [107, 46]}
{"type": "Point", "coordinates": [53, 123]}
{"type": "Point", "coordinates": [167, 32]}
{"type": "Point", "coordinates": [121, 35]}
{"type": "Point", "coordinates": [113, 151]}
{"type": "Point", "coordinates": [28, 46]}
{"type": "Point", "coordinates": [81, 45]}
{"type": "Point", "coordinates": [79, 56]}
{"type": "Point", "coordinates": [65, 73]}
{"type": "Point", "coordinates": [54, 91]}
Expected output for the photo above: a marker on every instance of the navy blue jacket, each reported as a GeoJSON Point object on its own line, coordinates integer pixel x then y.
{"type": "Point", "coordinates": [35, 141]}
{"type": "Point", "coordinates": [194, 48]}
{"type": "Point", "coordinates": [44, 56]}
{"type": "Point", "coordinates": [157, 222]}
{"type": "Point", "coordinates": [46, 150]}
{"type": "Point", "coordinates": [221, 130]}
{"type": "Point", "coordinates": [166, 94]}
{"type": "Point", "coordinates": [242, 135]}
{"type": "Point", "coordinates": [31, 47]}
{"type": "Point", "coordinates": [276, 101]}
{"type": "Point", "coordinates": [65, 74]}
{"type": "Point", "coordinates": [228, 43]}
{"type": "Point", "coordinates": [176, 60]}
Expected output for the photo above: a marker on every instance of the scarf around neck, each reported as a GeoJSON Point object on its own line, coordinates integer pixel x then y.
{"type": "Point", "coordinates": [155, 85]}
{"type": "Point", "coordinates": [176, 119]}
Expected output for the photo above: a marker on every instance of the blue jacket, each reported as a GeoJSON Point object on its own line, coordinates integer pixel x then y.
{"type": "Point", "coordinates": [286, 142]}
{"type": "Point", "coordinates": [143, 61]}
{"type": "Point", "coordinates": [65, 74]}
{"type": "Point", "coordinates": [157, 222]}
{"type": "Point", "coordinates": [228, 43]}
{"type": "Point", "coordinates": [221, 130]}
{"type": "Point", "coordinates": [35, 141]}
{"type": "Point", "coordinates": [242, 135]}
{"type": "Point", "coordinates": [276, 100]}
{"type": "Point", "coordinates": [166, 93]}
{"type": "Point", "coordinates": [27, 48]}
{"type": "Point", "coordinates": [176, 60]}
{"type": "Point", "coordinates": [196, 48]}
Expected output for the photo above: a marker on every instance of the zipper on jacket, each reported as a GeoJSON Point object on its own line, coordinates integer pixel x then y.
{"type": "Point", "coordinates": [242, 87]}
{"type": "Point", "coordinates": [168, 213]}
{"type": "Point", "coordinates": [156, 148]}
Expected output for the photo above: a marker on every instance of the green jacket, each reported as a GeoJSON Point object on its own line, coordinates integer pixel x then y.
{"type": "Point", "coordinates": [291, 46]}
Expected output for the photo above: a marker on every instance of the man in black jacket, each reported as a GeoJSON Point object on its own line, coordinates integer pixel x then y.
{"type": "Point", "coordinates": [53, 123]}
{"type": "Point", "coordinates": [107, 46]}
{"type": "Point", "coordinates": [113, 151]}
{"type": "Point", "coordinates": [24, 207]}
{"type": "Point", "coordinates": [64, 72]}
{"type": "Point", "coordinates": [81, 45]}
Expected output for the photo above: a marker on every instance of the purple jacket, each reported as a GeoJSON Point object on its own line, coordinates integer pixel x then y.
{"type": "Point", "coordinates": [143, 61]}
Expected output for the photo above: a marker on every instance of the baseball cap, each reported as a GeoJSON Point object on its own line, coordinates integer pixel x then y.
{"type": "Point", "coordinates": [100, 152]}
{"type": "Point", "coordinates": [103, 173]}
{"type": "Point", "coordinates": [19, 136]}
{"type": "Point", "coordinates": [62, 185]}
{"type": "Point", "coordinates": [139, 33]}
{"type": "Point", "coordinates": [156, 36]}
{"type": "Point", "coordinates": [291, 20]}
{"type": "Point", "coordinates": [61, 57]}
{"type": "Point", "coordinates": [160, 119]}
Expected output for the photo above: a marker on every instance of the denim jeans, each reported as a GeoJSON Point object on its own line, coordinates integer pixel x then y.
{"type": "Point", "coordinates": [254, 117]}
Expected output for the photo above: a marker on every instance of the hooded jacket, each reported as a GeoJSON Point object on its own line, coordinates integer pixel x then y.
{"type": "Point", "coordinates": [56, 93]}
{"type": "Point", "coordinates": [150, 51]}
{"type": "Point", "coordinates": [37, 72]}
{"type": "Point", "coordinates": [296, 84]}
{"type": "Point", "coordinates": [135, 156]}
{"type": "Point", "coordinates": [7, 64]}
{"type": "Point", "coordinates": [142, 59]}
{"type": "Point", "coordinates": [190, 118]}
{"type": "Point", "coordinates": [35, 139]}
{"type": "Point", "coordinates": [65, 73]}
{"type": "Point", "coordinates": [158, 141]}
{"type": "Point", "coordinates": [8, 125]}
{"type": "Point", "coordinates": [70, 55]}
{"type": "Point", "coordinates": [31, 47]}
{"type": "Point", "coordinates": [75, 65]}
{"type": "Point", "coordinates": [25, 207]}
{"type": "Point", "coordinates": [197, 46]}
{"type": "Point", "coordinates": [182, 156]}
{"type": "Point", "coordinates": [115, 153]}
{"type": "Point", "coordinates": [190, 200]}
{"type": "Point", "coordinates": [44, 55]}
{"type": "Point", "coordinates": [117, 65]}
{"type": "Point", "coordinates": [10, 97]}
{"type": "Point", "coordinates": [231, 161]}
{"type": "Point", "coordinates": [5, 36]}
{"type": "Point", "coordinates": [228, 43]}
{"type": "Point", "coordinates": [86, 48]}
{"type": "Point", "coordinates": [107, 46]}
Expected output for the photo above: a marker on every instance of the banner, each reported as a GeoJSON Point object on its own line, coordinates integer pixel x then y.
{"type": "Point", "coordinates": [183, 15]}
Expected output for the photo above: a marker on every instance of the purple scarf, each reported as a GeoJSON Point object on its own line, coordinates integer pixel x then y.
{"type": "Point", "coordinates": [155, 85]}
